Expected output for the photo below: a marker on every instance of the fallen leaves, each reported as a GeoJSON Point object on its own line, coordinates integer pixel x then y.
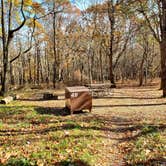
{"type": "Point", "coordinates": [147, 147]}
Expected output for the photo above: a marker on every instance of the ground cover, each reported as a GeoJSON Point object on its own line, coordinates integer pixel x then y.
{"type": "Point", "coordinates": [126, 128]}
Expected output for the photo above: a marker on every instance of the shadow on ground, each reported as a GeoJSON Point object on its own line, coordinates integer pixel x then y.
{"type": "Point", "coordinates": [129, 105]}
{"type": "Point", "coordinates": [127, 97]}
{"type": "Point", "coordinates": [57, 111]}
{"type": "Point", "coordinates": [153, 162]}
{"type": "Point", "coordinates": [38, 99]}
{"type": "Point", "coordinates": [113, 126]}
{"type": "Point", "coordinates": [74, 163]}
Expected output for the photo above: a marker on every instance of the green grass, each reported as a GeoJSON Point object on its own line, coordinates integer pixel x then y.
{"type": "Point", "coordinates": [30, 138]}
{"type": "Point", "coordinates": [19, 162]}
{"type": "Point", "coordinates": [149, 148]}
{"type": "Point", "coordinates": [38, 133]}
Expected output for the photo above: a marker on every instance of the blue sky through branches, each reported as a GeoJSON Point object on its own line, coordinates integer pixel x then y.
{"type": "Point", "coordinates": [81, 4]}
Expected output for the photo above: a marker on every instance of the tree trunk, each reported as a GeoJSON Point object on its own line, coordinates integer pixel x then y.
{"type": "Point", "coordinates": [141, 71]}
{"type": "Point", "coordinates": [101, 66]}
{"type": "Point", "coordinates": [47, 79]}
{"type": "Point", "coordinates": [111, 12]}
{"type": "Point", "coordinates": [5, 53]}
{"type": "Point", "coordinates": [54, 49]}
{"type": "Point", "coordinates": [163, 67]}
{"type": "Point", "coordinates": [23, 70]}
{"type": "Point", "coordinates": [12, 81]}
{"type": "Point", "coordinates": [30, 70]}
{"type": "Point", "coordinates": [89, 69]}
{"type": "Point", "coordinates": [163, 50]}
{"type": "Point", "coordinates": [82, 69]}
{"type": "Point", "coordinates": [7, 36]}
{"type": "Point", "coordinates": [38, 64]}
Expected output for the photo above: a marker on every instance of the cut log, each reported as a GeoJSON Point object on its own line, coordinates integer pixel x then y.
{"type": "Point", "coordinates": [50, 96]}
{"type": "Point", "coordinates": [7, 100]}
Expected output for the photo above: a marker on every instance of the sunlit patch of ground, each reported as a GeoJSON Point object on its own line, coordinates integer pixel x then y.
{"type": "Point", "coordinates": [123, 128]}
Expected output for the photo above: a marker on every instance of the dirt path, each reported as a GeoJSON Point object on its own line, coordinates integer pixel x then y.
{"type": "Point", "coordinates": [127, 110]}
{"type": "Point", "coordinates": [122, 113]}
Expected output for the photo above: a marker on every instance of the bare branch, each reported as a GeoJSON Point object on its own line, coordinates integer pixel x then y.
{"type": "Point", "coordinates": [23, 22]}
{"type": "Point", "coordinates": [30, 47]}
{"type": "Point", "coordinates": [149, 22]}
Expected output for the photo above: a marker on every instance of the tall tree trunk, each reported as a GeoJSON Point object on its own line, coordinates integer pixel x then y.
{"type": "Point", "coordinates": [81, 70]}
{"type": "Point", "coordinates": [141, 71]}
{"type": "Point", "coordinates": [38, 64]}
{"type": "Point", "coordinates": [30, 70]}
{"type": "Point", "coordinates": [111, 12]}
{"type": "Point", "coordinates": [47, 66]}
{"type": "Point", "coordinates": [23, 70]}
{"type": "Point", "coordinates": [163, 67]}
{"type": "Point", "coordinates": [12, 81]}
{"type": "Point", "coordinates": [20, 75]}
{"type": "Point", "coordinates": [54, 48]}
{"type": "Point", "coordinates": [89, 69]}
{"type": "Point", "coordinates": [5, 52]}
{"type": "Point", "coordinates": [101, 65]}
{"type": "Point", "coordinates": [35, 66]}
{"type": "Point", "coordinates": [7, 35]}
{"type": "Point", "coordinates": [163, 50]}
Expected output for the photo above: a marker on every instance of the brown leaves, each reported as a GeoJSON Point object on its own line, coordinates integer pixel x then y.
{"type": "Point", "coordinates": [38, 8]}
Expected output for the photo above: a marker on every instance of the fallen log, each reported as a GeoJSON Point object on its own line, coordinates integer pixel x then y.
{"type": "Point", "coordinates": [6, 100]}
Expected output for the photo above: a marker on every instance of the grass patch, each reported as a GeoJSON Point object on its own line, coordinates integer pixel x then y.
{"type": "Point", "coordinates": [43, 133]}
{"type": "Point", "coordinates": [148, 148]}
{"type": "Point", "coordinates": [46, 139]}
{"type": "Point", "coordinates": [19, 162]}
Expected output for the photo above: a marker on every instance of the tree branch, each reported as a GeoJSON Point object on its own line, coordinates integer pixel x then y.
{"type": "Point", "coordinates": [28, 49]}
{"type": "Point", "coordinates": [149, 22]}
{"type": "Point", "coordinates": [23, 22]}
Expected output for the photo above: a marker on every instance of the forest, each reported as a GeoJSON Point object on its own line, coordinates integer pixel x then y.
{"type": "Point", "coordinates": [59, 42]}
{"type": "Point", "coordinates": [48, 45]}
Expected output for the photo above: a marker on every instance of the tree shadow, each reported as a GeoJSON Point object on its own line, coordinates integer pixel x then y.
{"type": "Point", "coordinates": [151, 162]}
{"type": "Point", "coordinates": [129, 105]}
{"type": "Point", "coordinates": [31, 99]}
{"type": "Point", "coordinates": [131, 86]}
{"type": "Point", "coordinates": [40, 99]}
{"type": "Point", "coordinates": [127, 97]}
{"type": "Point", "coordinates": [123, 126]}
{"type": "Point", "coordinates": [72, 163]}
{"type": "Point", "coordinates": [56, 111]}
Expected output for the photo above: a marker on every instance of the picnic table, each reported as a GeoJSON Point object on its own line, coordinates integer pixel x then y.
{"type": "Point", "coordinates": [78, 98]}
{"type": "Point", "coordinates": [100, 89]}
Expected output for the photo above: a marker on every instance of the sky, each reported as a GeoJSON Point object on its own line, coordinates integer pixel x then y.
{"type": "Point", "coordinates": [81, 4]}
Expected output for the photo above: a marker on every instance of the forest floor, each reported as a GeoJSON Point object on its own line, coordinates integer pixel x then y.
{"type": "Point", "coordinates": [126, 128]}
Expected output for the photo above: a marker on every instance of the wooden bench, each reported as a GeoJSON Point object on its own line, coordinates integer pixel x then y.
{"type": "Point", "coordinates": [78, 98]}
